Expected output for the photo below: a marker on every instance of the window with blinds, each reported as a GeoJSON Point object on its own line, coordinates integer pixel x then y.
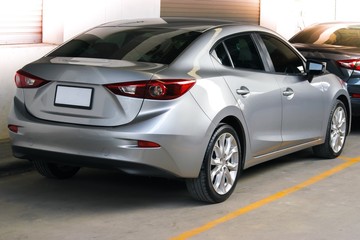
{"type": "Point", "coordinates": [20, 21]}
{"type": "Point", "coordinates": [247, 11]}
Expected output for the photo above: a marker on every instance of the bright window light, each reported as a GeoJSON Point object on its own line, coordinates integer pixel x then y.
{"type": "Point", "coordinates": [20, 21]}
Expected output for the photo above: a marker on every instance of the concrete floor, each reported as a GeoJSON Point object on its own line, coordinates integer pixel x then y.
{"type": "Point", "coordinates": [99, 204]}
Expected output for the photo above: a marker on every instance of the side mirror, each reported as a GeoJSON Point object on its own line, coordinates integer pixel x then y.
{"type": "Point", "coordinates": [314, 68]}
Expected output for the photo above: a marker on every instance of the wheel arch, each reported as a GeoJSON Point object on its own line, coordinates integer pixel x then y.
{"type": "Point", "coordinates": [236, 124]}
{"type": "Point", "coordinates": [345, 101]}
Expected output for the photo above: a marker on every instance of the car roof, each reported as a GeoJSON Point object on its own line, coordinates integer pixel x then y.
{"type": "Point", "coordinates": [333, 24]}
{"type": "Point", "coordinates": [337, 22]}
{"type": "Point", "coordinates": [195, 24]}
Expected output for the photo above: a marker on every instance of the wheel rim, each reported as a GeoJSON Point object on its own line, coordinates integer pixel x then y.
{"type": "Point", "coordinates": [224, 163]}
{"type": "Point", "coordinates": [338, 130]}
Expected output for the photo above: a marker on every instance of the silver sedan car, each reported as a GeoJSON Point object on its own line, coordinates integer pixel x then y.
{"type": "Point", "coordinates": [195, 99]}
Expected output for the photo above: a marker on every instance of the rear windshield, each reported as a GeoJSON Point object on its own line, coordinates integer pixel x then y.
{"type": "Point", "coordinates": [342, 35]}
{"type": "Point", "coordinates": [156, 45]}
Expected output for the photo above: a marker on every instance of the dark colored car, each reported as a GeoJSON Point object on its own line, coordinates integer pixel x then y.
{"type": "Point", "coordinates": [337, 44]}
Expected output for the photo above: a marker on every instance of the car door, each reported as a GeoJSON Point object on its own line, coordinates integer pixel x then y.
{"type": "Point", "coordinates": [302, 101]}
{"type": "Point", "coordinates": [257, 93]}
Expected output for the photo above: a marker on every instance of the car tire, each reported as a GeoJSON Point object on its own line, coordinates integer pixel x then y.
{"type": "Point", "coordinates": [53, 170]}
{"type": "Point", "coordinates": [335, 134]}
{"type": "Point", "coordinates": [220, 169]}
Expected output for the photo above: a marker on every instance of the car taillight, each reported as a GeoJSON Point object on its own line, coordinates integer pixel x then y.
{"type": "Point", "coordinates": [147, 144]}
{"type": "Point", "coordinates": [153, 89]}
{"type": "Point", "coordinates": [27, 80]}
{"type": "Point", "coordinates": [353, 64]}
{"type": "Point", "coordinates": [13, 128]}
{"type": "Point", "coordinates": [355, 95]}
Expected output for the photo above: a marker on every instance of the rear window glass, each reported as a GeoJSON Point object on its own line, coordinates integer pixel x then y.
{"type": "Point", "coordinates": [342, 35]}
{"type": "Point", "coordinates": [155, 45]}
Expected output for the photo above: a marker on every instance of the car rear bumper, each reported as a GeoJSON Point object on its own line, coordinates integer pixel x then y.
{"type": "Point", "coordinates": [100, 148]}
{"type": "Point", "coordinates": [182, 141]}
{"type": "Point", "coordinates": [89, 161]}
{"type": "Point", "coordinates": [353, 85]}
{"type": "Point", "coordinates": [109, 148]}
{"type": "Point", "coordinates": [355, 106]}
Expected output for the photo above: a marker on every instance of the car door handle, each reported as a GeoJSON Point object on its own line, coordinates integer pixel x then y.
{"type": "Point", "coordinates": [243, 91]}
{"type": "Point", "coordinates": [288, 92]}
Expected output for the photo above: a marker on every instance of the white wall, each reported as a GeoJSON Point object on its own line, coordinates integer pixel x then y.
{"type": "Point", "coordinates": [348, 10]}
{"type": "Point", "coordinates": [287, 17]}
{"type": "Point", "coordinates": [63, 19]}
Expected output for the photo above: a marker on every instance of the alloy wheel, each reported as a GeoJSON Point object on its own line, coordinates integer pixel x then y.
{"type": "Point", "coordinates": [224, 163]}
{"type": "Point", "coordinates": [338, 129]}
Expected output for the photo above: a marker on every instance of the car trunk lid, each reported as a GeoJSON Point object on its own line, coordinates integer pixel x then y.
{"type": "Point", "coordinates": [76, 92]}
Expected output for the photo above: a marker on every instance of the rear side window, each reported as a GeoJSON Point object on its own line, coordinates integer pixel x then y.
{"type": "Point", "coordinates": [243, 53]}
{"type": "Point", "coordinates": [239, 52]}
{"type": "Point", "coordinates": [283, 58]}
{"type": "Point", "coordinates": [131, 44]}
{"type": "Point", "coordinates": [221, 55]}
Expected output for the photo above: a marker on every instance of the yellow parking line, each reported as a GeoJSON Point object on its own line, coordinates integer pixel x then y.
{"type": "Point", "coordinates": [349, 162]}
{"type": "Point", "coordinates": [357, 159]}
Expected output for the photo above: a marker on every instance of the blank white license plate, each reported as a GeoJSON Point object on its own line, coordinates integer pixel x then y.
{"type": "Point", "coordinates": [73, 97]}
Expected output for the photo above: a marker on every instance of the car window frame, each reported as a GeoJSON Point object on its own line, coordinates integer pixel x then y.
{"type": "Point", "coordinates": [256, 45]}
{"type": "Point", "coordinates": [226, 51]}
{"type": "Point", "coordinates": [269, 61]}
